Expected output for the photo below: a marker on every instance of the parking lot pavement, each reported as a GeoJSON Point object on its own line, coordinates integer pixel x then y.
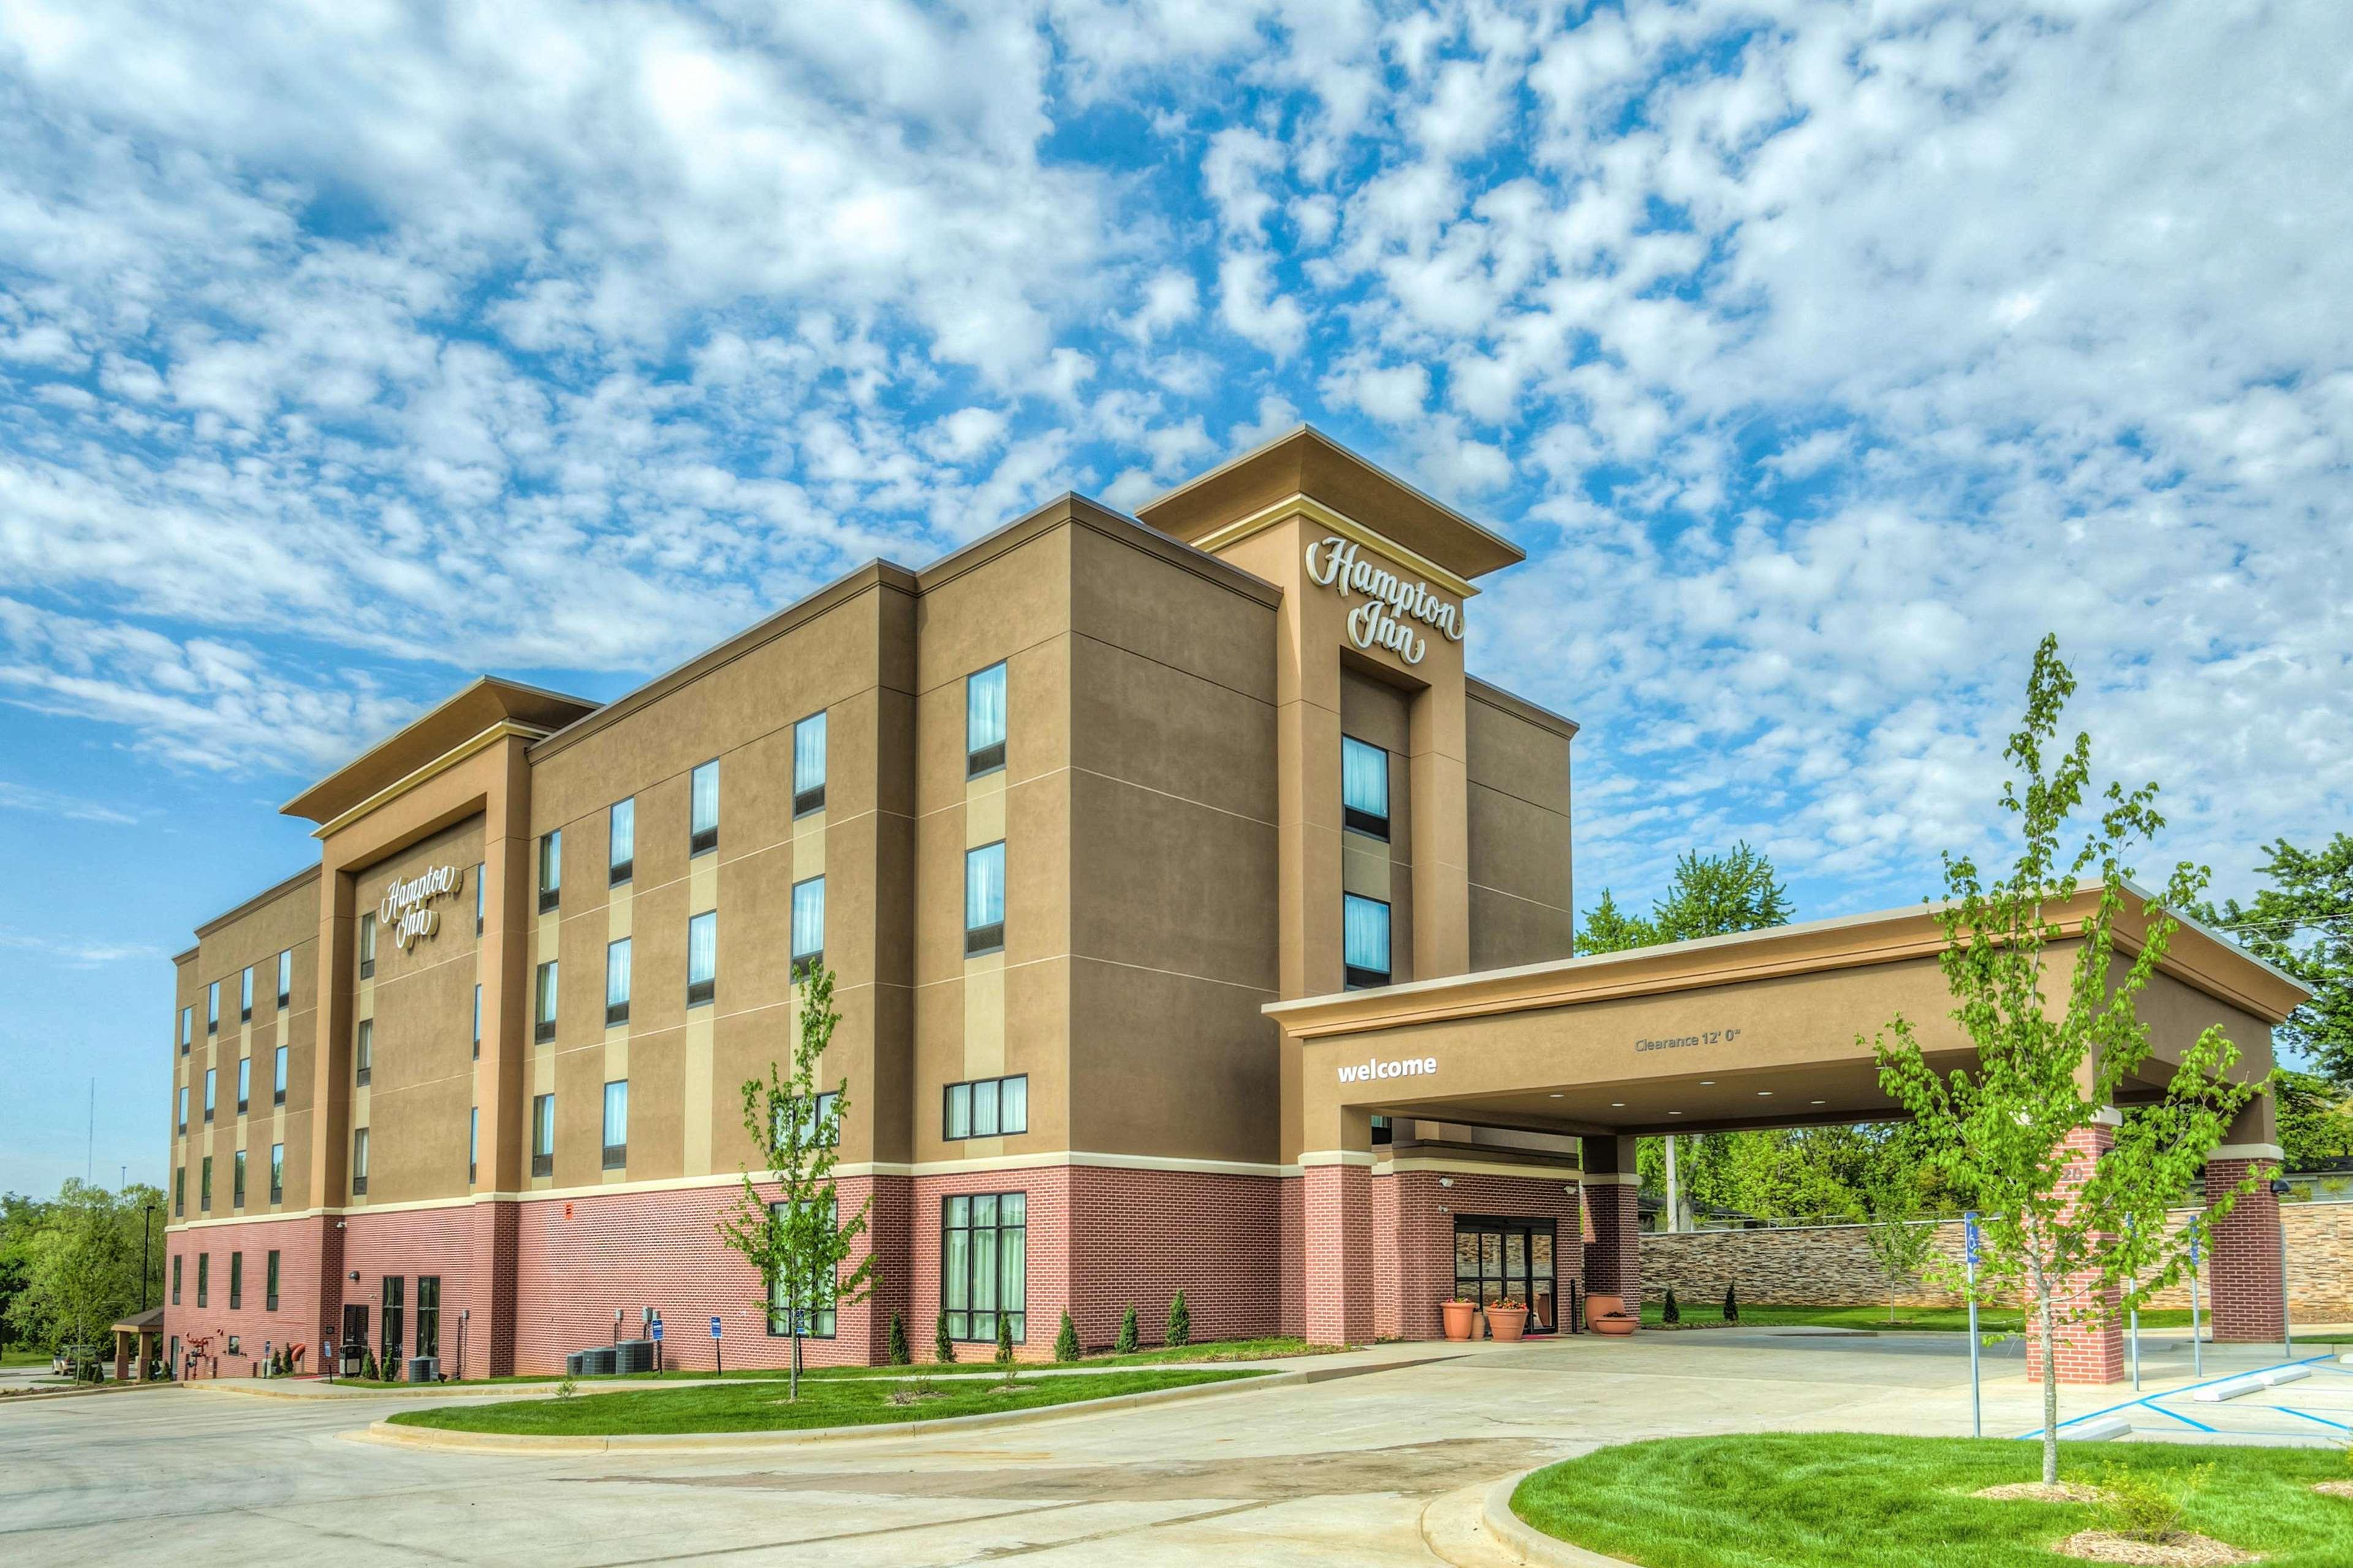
{"type": "Point", "coordinates": [1334, 1472]}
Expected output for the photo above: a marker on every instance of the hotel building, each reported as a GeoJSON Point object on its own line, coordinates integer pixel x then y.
{"type": "Point", "coordinates": [1199, 921]}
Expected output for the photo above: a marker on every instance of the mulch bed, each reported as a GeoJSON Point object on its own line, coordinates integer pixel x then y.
{"type": "Point", "coordinates": [2335, 1489]}
{"type": "Point", "coordinates": [2182, 1548]}
{"type": "Point", "coordinates": [2035, 1491]}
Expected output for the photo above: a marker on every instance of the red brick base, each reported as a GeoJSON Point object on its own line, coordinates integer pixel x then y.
{"type": "Point", "coordinates": [2242, 1265]}
{"type": "Point", "coordinates": [2086, 1351]}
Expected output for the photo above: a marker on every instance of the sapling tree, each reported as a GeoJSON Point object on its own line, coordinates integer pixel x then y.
{"type": "Point", "coordinates": [796, 1238]}
{"type": "Point", "coordinates": [2056, 1037]}
{"type": "Point", "coordinates": [1900, 1247]}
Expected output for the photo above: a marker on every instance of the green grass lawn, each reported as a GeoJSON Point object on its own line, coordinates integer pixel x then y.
{"type": "Point", "coordinates": [760, 1406]}
{"type": "Point", "coordinates": [1909, 1320]}
{"type": "Point", "coordinates": [23, 1355]}
{"type": "Point", "coordinates": [1847, 1501]}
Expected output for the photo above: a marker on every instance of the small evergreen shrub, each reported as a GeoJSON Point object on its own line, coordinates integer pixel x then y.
{"type": "Point", "coordinates": [898, 1352]}
{"type": "Point", "coordinates": [1672, 1312]}
{"type": "Point", "coordinates": [1004, 1356]}
{"type": "Point", "coordinates": [1180, 1321]}
{"type": "Point", "coordinates": [2142, 1508]}
{"type": "Point", "coordinates": [1066, 1339]}
{"type": "Point", "coordinates": [942, 1347]}
{"type": "Point", "coordinates": [1126, 1343]}
{"type": "Point", "coordinates": [1731, 1305]}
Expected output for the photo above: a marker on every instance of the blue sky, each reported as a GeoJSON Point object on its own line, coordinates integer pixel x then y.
{"type": "Point", "coordinates": [1822, 356]}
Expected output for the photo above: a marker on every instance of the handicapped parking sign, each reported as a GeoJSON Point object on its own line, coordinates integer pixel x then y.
{"type": "Point", "coordinates": [1969, 1236]}
{"type": "Point", "coordinates": [714, 1328]}
{"type": "Point", "coordinates": [657, 1330]}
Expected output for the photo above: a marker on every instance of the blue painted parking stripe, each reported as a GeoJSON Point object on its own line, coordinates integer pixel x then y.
{"type": "Point", "coordinates": [2177, 1393]}
{"type": "Point", "coordinates": [2177, 1414]}
{"type": "Point", "coordinates": [2308, 1415]}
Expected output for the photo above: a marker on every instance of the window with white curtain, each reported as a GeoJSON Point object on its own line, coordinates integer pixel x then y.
{"type": "Point", "coordinates": [550, 870]}
{"type": "Point", "coordinates": [542, 1135]}
{"type": "Point", "coordinates": [543, 1028]}
{"type": "Point", "coordinates": [984, 720]}
{"type": "Point", "coordinates": [703, 824]}
{"type": "Point", "coordinates": [621, 843]}
{"type": "Point", "coordinates": [617, 1124]}
{"type": "Point", "coordinates": [984, 1265]}
{"type": "Point", "coordinates": [616, 982]}
{"type": "Point", "coordinates": [1365, 940]}
{"type": "Point", "coordinates": [285, 977]}
{"type": "Point", "coordinates": [808, 766]}
{"type": "Point", "coordinates": [808, 923]}
{"type": "Point", "coordinates": [702, 957]}
{"type": "Point", "coordinates": [984, 899]}
{"type": "Point", "coordinates": [1364, 787]}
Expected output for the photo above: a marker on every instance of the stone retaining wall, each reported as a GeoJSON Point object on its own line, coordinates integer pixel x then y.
{"type": "Point", "coordinates": [1830, 1266]}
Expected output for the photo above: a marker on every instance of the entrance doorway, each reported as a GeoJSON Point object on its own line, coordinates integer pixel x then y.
{"type": "Point", "coordinates": [1496, 1258]}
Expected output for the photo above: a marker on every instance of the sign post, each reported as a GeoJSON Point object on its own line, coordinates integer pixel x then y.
{"type": "Point", "coordinates": [718, 1353]}
{"type": "Point", "coordinates": [1970, 1254]}
{"type": "Point", "coordinates": [655, 1329]}
{"type": "Point", "coordinates": [2136, 1317]}
{"type": "Point", "coordinates": [2197, 1341]}
{"type": "Point", "coordinates": [2280, 1189]}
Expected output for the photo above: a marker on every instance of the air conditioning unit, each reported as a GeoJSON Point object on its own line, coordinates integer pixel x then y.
{"type": "Point", "coordinates": [425, 1369]}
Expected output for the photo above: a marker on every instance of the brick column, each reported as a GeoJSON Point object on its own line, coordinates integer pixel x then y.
{"type": "Point", "coordinates": [1613, 1258]}
{"type": "Point", "coordinates": [2243, 1264]}
{"type": "Point", "coordinates": [490, 1330]}
{"type": "Point", "coordinates": [2086, 1352]}
{"type": "Point", "coordinates": [1339, 1263]}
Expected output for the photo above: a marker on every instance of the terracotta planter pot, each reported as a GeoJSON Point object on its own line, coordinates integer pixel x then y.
{"type": "Point", "coordinates": [1617, 1325]}
{"type": "Point", "coordinates": [1458, 1316]}
{"type": "Point", "coordinates": [1509, 1323]}
{"type": "Point", "coordinates": [1598, 1306]}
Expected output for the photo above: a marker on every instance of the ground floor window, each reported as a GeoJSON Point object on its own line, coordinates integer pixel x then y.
{"type": "Point", "coordinates": [984, 1265]}
{"type": "Point", "coordinates": [818, 1318]}
{"type": "Point", "coordinates": [395, 1305]}
{"type": "Point", "coordinates": [1499, 1260]}
{"type": "Point", "coordinates": [429, 1314]}
{"type": "Point", "coordinates": [269, 1297]}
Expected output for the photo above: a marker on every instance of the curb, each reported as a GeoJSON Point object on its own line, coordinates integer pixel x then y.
{"type": "Point", "coordinates": [432, 1437]}
{"type": "Point", "coordinates": [1531, 1544]}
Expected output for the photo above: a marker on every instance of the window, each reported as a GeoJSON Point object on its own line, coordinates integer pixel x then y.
{"type": "Point", "coordinates": [359, 1161]}
{"type": "Point", "coordinates": [984, 1265]}
{"type": "Point", "coordinates": [270, 1282]}
{"type": "Point", "coordinates": [278, 1079]}
{"type": "Point", "coordinates": [183, 1108]}
{"type": "Point", "coordinates": [212, 1008]}
{"type": "Point", "coordinates": [205, 1186]}
{"type": "Point", "coordinates": [820, 1119]}
{"type": "Point", "coordinates": [1364, 787]}
{"type": "Point", "coordinates": [277, 1172]}
{"type": "Point", "coordinates": [473, 1139]}
{"type": "Point", "coordinates": [808, 766]}
{"type": "Point", "coordinates": [1382, 1131]}
{"type": "Point", "coordinates": [477, 1022]}
{"type": "Point", "coordinates": [204, 1278]}
{"type": "Point", "coordinates": [984, 899]}
{"type": "Point", "coordinates": [817, 1318]}
{"type": "Point", "coordinates": [187, 1029]}
{"type": "Point", "coordinates": [543, 1028]}
{"type": "Point", "coordinates": [808, 924]}
{"type": "Point", "coordinates": [210, 1074]}
{"type": "Point", "coordinates": [175, 1280]}
{"type": "Point", "coordinates": [367, 946]}
{"type": "Point", "coordinates": [987, 1108]}
{"type": "Point", "coordinates": [1365, 940]}
{"type": "Point", "coordinates": [244, 1083]}
{"type": "Point", "coordinates": [429, 1314]}
{"type": "Point", "coordinates": [245, 997]}
{"type": "Point", "coordinates": [617, 1124]}
{"type": "Point", "coordinates": [363, 1052]}
{"type": "Point", "coordinates": [236, 1281]}
{"type": "Point", "coordinates": [984, 721]}
{"type": "Point", "coordinates": [395, 1294]}
{"type": "Point", "coordinates": [616, 983]}
{"type": "Point", "coordinates": [621, 843]}
{"type": "Point", "coordinates": [542, 1135]}
{"type": "Point", "coordinates": [478, 895]}
{"type": "Point", "coordinates": [701, 958]}
{"type": "Point", "coordinates": [179, 1191]}
{"type": "Point", "coordinates": [702, 827]}
{"type": "Point", "coordinates": [236, 1180]}
{"type": "Point", "coordinates": [550, 869]}
{"type": "Point", "coordinates": [286, 979]}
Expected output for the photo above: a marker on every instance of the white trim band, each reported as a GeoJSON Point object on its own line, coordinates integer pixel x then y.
{"type": "Point", "coordinates": [2248, 1152]}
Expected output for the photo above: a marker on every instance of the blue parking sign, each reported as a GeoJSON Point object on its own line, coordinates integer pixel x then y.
{"type": "Point", "coordinates": [657, 1330]}
{"type": "Point", "coordinates": [1969, 1236]}
{"type": "Point", "coordinates": [714, 1328]}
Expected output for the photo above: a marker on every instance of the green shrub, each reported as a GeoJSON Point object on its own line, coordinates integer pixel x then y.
{"type": "Point", "coordinates": [898, 1353]}
{"type": "Point", "coordinates": [2147, 1507]}
{"type": "Point", "coordinates": [1004, 1356]}
{"type": "Point", "coordinates": [1180, 1321]}
{"type": "Point", "coordinates": [1731, 1305]}
{"type": "Point", "coordinates": [568, 1387]}
{"type": "Point", "coordinates": [1672, 1312]}
{"type": "Point", "coordinates": [942, 1347]}
{"type": "Point", "coordinates": [1126, 1343]}
{"type": "Point", "coordinates": [1066, 1339]}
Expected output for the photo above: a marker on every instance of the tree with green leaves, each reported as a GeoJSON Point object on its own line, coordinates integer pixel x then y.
{"type": "Point", "coordinates": [2304, 923]}
{"type": "Point", "coordinates": [794, 1235]}
{"type": "Point", "coordinates": [1900, 1244]}
{"type": "Point", "coordinates": [2015, 1130]}
{"type": "Point", "coordinates": [2316, 1119]}
{"type": "Point", "coordinates": [71, 1263]}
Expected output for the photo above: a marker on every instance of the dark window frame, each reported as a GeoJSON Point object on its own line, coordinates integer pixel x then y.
{"type": "Point", "coordinates": [701, 840]}
{"type": "Point", "coordinates": [981, 761]}
{"type": "Point", "coordinates": [270, 1282]}
{"type": "Point", "coordinates": [392, 1313]}
{"type": "Point", "coordinates": [237, 1281]}
{"type": "Point", "coordinates": [277, 1174]}
{"type": "Point", "coordinates": [618, 1012]}
{"type": "Point", "coordinates": [1356, 977]}
{"type": "Point", "coordinates": [544, 995]}
{"type": "Point", "coordinates": [367, 940]}
{"type": "Point", "coordinates": [543, 1131]}
{"type": "Point", "coordinates": [618, 872]}
{"type": "Point", "coordinates": [204, 1279]}
{"type": "Point", "coordinates": [205, 1187]}
{"type": "Point", "coordinates": [972, 1087]}
{"type": "Point", "coordinates": [812, 799]}
{"type": "Point", "coordinates": [363, 1052]}
{"type": "Point", "coordinates": [969, 1332]}
{"type": "Point", "coordinates": [245, 997]}
{"type": "Point", "coordinates": [428, 1316]}
{"type": "Point", "coordinates": [359, 1162]}
{"type": "Point", "coordinates": [285, 979]}
{"type": "Point", "coordinates": [551, 857]}
{"type": "Point", "coordinates": [244, 1083]}
{"type": "Point", "coordinates": [1356, 818]}
{"type": "Point", "coordinates": [981, 940]}
{"type": "Point", "coordinates": [278, 1076]}
{"type": "Point", "coordinates": [831, 1314]}
{"type": "Point", "coordinates": [617, 1155]}
{"type": "Point", "coordinates": [236, 1179]}
{"type": "Point", "coordinates": [704, 991]}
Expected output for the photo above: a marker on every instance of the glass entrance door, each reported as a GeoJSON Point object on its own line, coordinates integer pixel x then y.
{"type": "Point", "coordinates": [1499, 1260]}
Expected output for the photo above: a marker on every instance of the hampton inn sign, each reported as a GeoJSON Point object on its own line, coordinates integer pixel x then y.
{"type": "Point", "coordinates": [1376, 623]}
{"type": "Point", "coordinates": [407, 906]}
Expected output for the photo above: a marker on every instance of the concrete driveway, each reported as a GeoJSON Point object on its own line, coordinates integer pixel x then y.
{"type": "Point", "coordinates": [1335, 1472]}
